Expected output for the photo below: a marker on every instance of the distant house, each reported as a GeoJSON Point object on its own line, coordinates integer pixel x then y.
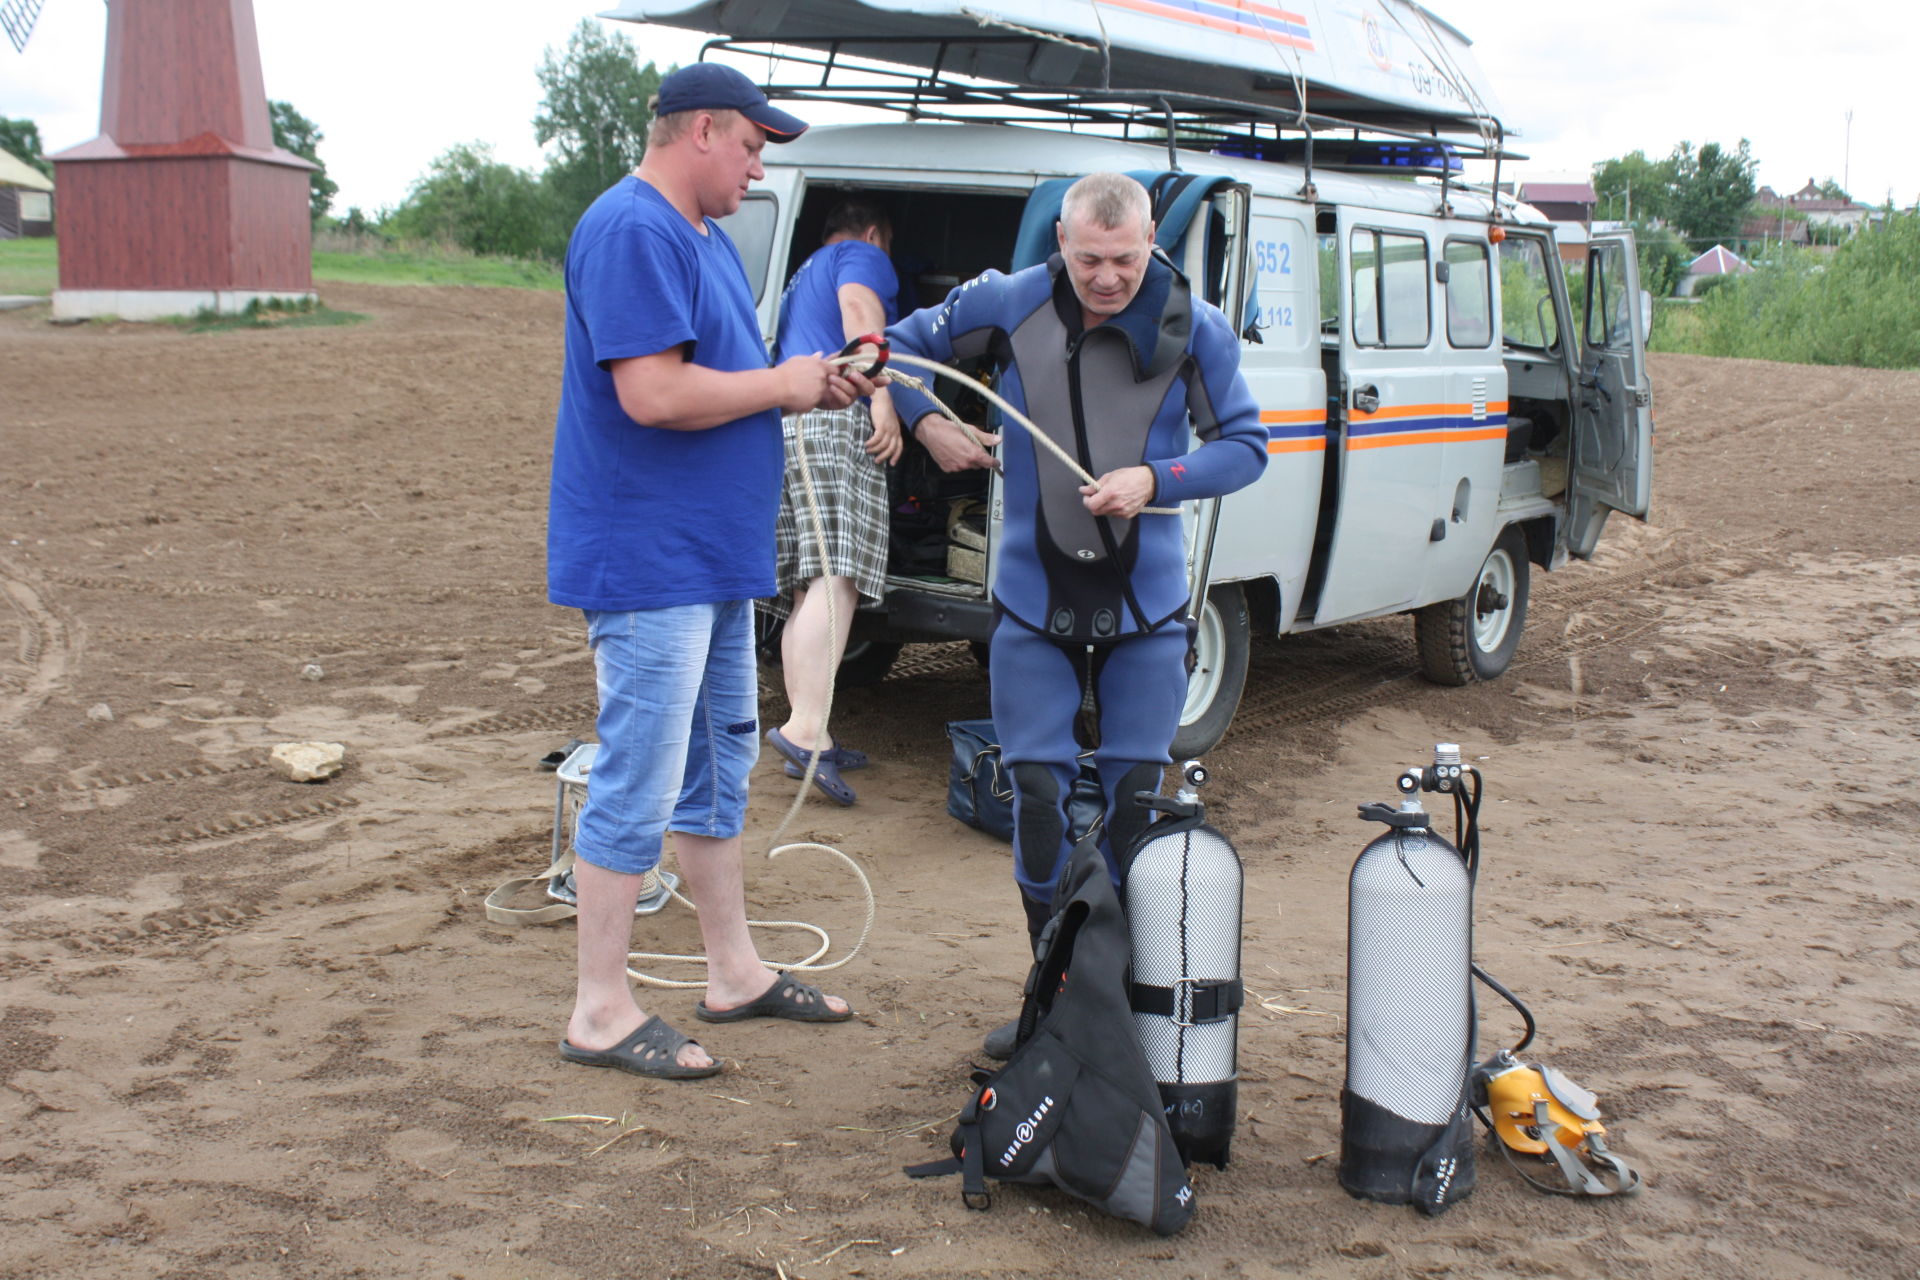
{"type": "Point", "coordinates": [1717, 261]}
{"type": "Point", "coordinates": [1774, 230]}
{"type": "Point", "coordinates": [26, 199]}
{"type": "Point", "coordinates": [1817, 209]}
{"type": "Point", "coordinates": [1562, 201]}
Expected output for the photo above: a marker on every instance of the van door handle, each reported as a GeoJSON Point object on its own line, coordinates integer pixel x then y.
{"type": "Point", "coordinates": [1367, 399]}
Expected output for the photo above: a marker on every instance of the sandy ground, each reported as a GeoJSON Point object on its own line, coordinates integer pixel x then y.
{"type": "Point", "coordinates": [253, 1028]}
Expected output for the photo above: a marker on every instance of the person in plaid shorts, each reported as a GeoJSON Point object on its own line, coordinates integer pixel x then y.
{"type": "Point", "coordinates": [846, 288]}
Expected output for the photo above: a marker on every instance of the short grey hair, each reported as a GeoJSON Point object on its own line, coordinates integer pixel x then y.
{"type": "Point", "coordinates": [1107, 200]}
{"type": "Point", "coordinates": [673, 126]}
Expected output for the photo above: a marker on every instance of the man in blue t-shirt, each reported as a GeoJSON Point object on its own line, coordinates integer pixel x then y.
{"type": "Point", "coordinates": [845, 288]}
{"type": "Point", "coordinates": [666, 478]}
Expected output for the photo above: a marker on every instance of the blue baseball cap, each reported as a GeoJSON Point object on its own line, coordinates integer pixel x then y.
{"type": "Point", "coordinates": [709, 86]}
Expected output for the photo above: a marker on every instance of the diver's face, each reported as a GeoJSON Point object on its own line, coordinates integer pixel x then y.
{"type": "Point", "coordinates": [1105, 264]}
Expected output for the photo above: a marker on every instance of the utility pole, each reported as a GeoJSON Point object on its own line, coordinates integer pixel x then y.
{"type": "Point", "coordinates": [1846, 158]}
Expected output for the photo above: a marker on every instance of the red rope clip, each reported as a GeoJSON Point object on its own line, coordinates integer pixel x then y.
{"type": "Point", "coordinates": [879, 340]}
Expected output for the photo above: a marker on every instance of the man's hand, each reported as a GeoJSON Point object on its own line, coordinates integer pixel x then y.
{"type": "Point", "coordinates": [950, 446]}
{"type": "Point", "coordinates": [810, 382]}
{"type": "Point", "coordinates": [884, 445]}
{"type": "Point", "coordinates": [1120, 493]}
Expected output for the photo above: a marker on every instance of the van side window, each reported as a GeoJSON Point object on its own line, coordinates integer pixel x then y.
{"type": "Point", "coordinates": [1469, 294]}
{"type": "Point", "coordinates": [750, 227]}
{"type": "Point", "coordinates": [1390, 293]}
{"type": "Point", "coordinates": [1609, 323]}
{"type": "Point", "coordinates": [1526, 298]}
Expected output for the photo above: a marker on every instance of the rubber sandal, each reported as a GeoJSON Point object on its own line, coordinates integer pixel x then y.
{"type": "Point", "coordinates": [554, 759]}
{"type": "Point", "coordinates": [793, 770]}
{"type": "Point", "coordinates": [787, 998]}
{"type": "Point", "coordinates": [838, 757]}
{"type": "Point", "coordinates": [652, 1050]}
{"type": "Point", "coordinates": [843, 758]}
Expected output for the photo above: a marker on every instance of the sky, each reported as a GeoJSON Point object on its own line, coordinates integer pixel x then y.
{"type": "Point", "coordinates": [393, 83]}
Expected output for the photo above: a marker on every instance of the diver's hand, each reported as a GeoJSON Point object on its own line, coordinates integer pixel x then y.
{"type": "Point", "coordinates": [950, 446]}
{"type": "Point", "coordinates": [1120, 493]}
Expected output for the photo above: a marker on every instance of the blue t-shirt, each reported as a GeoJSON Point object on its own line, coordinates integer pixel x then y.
{"type": "Point", "coordinates": [810, 308]}
{"type": "Point", "coordinates": [644, 517]}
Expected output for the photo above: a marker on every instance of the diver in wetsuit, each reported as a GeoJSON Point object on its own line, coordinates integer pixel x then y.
{"type": "Point", "coordinates": [1105, 347]}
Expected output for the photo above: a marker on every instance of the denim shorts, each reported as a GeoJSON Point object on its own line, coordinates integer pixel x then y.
{"type": "Point", "coordinates": [678, 726]}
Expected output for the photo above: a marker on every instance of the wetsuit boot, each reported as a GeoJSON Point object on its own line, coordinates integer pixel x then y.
{"type": "Point", "coordinates": [1000, 1041]}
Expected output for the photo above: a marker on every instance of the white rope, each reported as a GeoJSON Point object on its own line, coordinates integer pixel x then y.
{"type": "Point", "coordinates": [1033, 431]}
{"type": "Point", "coordinates": [811, 963]}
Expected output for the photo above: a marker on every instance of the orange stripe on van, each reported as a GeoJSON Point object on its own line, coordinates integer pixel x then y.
{"type": "Point", "coordinates": [1293, 415]}
{"type": "Point", "coordinates": [1296, 446]}
{"type": "Point", "coordinates": [1425, 411]}
{"type": "Point", "coordinates": [1425, 437]}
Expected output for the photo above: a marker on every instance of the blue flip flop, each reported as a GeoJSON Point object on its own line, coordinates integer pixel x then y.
{"type": "Point", "coordinates": [843, 758]}
{"type": "Point", "coordinates": [826, 776]}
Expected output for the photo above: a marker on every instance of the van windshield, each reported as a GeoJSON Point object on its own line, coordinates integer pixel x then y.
{"type": "Point", "coordinates": [1526, 295]}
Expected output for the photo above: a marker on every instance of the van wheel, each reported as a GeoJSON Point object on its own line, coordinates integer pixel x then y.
{"type": "Point", "coordinates": [1219, 673]}
{"type": "Point", "coordinates": [1474, 637]}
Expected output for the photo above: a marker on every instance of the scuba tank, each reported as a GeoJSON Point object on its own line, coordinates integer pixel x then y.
{"type": "Point", "coordinates": [1183, 884]}
{"type": "Point", "coordinates": [1411, 1025]}
{"type": "Point", "coordinates": [1405, 1136]}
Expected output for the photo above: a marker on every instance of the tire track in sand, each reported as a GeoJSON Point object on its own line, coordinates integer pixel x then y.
{"type": "Point", "coordinates": [49, 648]}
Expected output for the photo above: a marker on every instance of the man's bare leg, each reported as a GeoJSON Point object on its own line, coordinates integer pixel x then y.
{"type": "Point", "coordinates": [809, 649]}
{"type": "Point", "coordinates": [735, 974]}
{"type": "Point", "coordinates": [604, 1010]}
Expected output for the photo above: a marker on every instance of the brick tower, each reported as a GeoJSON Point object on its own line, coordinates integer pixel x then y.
{"type": "Point", "coordinates": [182, 203]}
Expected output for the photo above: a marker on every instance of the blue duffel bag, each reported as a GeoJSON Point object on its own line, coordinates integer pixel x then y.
{"type": "Point", "coordinates": [980, 790]}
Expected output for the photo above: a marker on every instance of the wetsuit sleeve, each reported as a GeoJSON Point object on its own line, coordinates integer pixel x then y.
{"type": "Point", "coordinates": [961, 328]}
{"type": "Point", "coordinates": [1226, 417]}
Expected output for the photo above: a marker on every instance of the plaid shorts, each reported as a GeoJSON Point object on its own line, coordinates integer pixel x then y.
{"type": "Point", "coordinates": [852, 491]}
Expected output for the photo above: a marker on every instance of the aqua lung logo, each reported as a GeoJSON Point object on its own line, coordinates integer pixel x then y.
{"type": "Point", "coordinates": [1023, 1134]}
{"type": "Point", "coordinates": [1183, 1195]}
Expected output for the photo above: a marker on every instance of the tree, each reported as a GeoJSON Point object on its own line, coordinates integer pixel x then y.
{"type": "Point", "coordinates": [469, 199]}
{"type": "Point", "coordinates": [1632, 188]}
{"type": "Point", "coordinates": [21, 138]}
{"type": "Point", "coordinates": [1712, 190]}
{"type": "Point", "coordinates": [1831, 190]}
{"type": "Point", "coordinates": [595, 115]}
{"type": "Point", "coordinates": [294, 132]}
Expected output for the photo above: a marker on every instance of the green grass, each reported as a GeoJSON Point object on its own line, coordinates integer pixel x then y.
{"type": "Point", "coordinates": [32, 266]}
{"type": "Point", "coordinates": [29, 266]}
{"type": "Point", "coordinates": [269, 315]}
{"type": "Point", "coordinates": [365, 259]}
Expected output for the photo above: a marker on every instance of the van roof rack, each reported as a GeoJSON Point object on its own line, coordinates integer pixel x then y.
{"type": "Point", "coordinates": [840, 71]}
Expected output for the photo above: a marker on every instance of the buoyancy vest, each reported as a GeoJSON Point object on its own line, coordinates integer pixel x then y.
{"type": "Point", "coordinates": [1076, 1106]}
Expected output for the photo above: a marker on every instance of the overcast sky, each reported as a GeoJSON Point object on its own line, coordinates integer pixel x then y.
{"type": "Point", "coordinates": [392, 83]}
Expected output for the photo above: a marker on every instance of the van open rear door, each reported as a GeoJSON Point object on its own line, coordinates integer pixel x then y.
{"type": "Point", "coordinates": [1612, 466]}
{"type": "Point", "coordinates": [762, 230]}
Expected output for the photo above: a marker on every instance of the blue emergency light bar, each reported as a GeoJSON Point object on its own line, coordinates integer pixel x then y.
{"type": "Point", "coordinates": [1411, 158]}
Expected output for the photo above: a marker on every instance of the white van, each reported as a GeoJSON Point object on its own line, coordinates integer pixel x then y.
{"type": "Point", "coordinates": [1447, 404]}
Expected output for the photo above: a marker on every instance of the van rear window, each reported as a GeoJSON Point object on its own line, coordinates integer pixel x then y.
{"type": "Point", "coordinates": [750, 227]}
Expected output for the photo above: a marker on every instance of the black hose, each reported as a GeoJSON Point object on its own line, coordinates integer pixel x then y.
{"type": "Point", "coordinates": [1526, 1014]}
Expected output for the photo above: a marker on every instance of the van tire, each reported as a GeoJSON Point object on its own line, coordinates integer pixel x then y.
{"type": "Point", "coordinates": [1219, 673]}
{"type": "Point", "coordinates": [1475, 636]}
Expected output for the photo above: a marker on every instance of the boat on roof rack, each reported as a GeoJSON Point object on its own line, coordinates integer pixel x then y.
{"type": "Point", "coordinates": [1210, 70]}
